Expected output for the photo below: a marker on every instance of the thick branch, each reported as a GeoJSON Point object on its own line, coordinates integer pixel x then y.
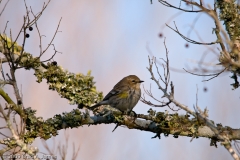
{"type": "Point", "coordinates": [13, 106]}
{"type": "Point", "coordinates": [177, 125]}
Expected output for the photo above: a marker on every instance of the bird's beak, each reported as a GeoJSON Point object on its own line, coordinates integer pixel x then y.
{"type": "Point", "coordinates": [141, 81]}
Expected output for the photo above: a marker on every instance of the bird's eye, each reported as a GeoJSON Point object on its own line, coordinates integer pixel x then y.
{"type": "Point", "coordinates": [133, 80]}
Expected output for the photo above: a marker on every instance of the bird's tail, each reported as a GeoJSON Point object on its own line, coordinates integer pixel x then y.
{"type": "Point", "coordinates": [116, 127]}
{"type": "Point", "coordinates": [95, 106]}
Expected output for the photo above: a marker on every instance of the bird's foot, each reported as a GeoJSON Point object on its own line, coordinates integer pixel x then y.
{"type": "Point", "coordinates": [132, 114]}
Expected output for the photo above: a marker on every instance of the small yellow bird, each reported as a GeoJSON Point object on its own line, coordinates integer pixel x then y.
{"type": "Point", "coordinates": [124, 95]}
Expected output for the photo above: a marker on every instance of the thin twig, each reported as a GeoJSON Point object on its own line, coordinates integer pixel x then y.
{"type": "Point", "coordinates": [165, 3]}
{"type": "Point", "coordinates": [188, 39]}
{"type": "Point", "coordinates": [4, 8]}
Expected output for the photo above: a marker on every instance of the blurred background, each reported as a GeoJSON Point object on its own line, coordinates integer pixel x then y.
{"type": "Point", "coordinates": [113, 39]}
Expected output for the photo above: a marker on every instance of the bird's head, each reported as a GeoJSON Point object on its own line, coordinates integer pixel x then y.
{"type": "Point", "coordinates": [133, 80]}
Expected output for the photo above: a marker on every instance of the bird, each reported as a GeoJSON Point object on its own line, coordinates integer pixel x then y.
{"type": "Point", "coordinates": [124, 95]}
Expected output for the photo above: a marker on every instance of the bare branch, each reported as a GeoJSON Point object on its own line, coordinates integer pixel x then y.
{"type": "Point", "coordinates": [214, 74]}
{"type": "Point", "coordinates": [169, 96]}
{"type": "Point", "coordinates": [232, 151]}
{"type": "Point", "coordinates": [165, 3]}
{"type": "Point", "coordinates": [52, 38]}
{"type": "Point", "coordinates": [4, 8]}
{"type": "Point", "coordinates": [188, 39]}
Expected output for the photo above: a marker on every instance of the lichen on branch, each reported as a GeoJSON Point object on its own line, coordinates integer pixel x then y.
{"type": "Point", "coordinates": [77, 88]}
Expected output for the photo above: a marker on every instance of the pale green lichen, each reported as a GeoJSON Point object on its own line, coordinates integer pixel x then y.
{"type": "Point", "coordinates": [229, 14]}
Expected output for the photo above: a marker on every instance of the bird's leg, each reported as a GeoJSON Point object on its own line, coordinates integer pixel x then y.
{"type": "Point", "coordinates": [132, 114]}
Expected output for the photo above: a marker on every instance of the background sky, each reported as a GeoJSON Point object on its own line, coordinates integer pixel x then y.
{"type": "Point", "coordinates": [110, 38]}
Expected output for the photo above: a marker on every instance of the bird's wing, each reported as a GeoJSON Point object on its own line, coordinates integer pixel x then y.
{"type": "Point", "coordinates": [116, 90]}
{"type": "Point", "coordinates": [111, 93]}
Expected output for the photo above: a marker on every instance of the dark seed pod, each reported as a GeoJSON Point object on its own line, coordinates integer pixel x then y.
{"type": "Point", "coordinates": [160, 35]}
{"type": "Point", "coordinates": [175, 136]}
{"type": "Point", "coordinates": [19, 102]}
{"type": "Point", "coordinates": [54, 63]}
